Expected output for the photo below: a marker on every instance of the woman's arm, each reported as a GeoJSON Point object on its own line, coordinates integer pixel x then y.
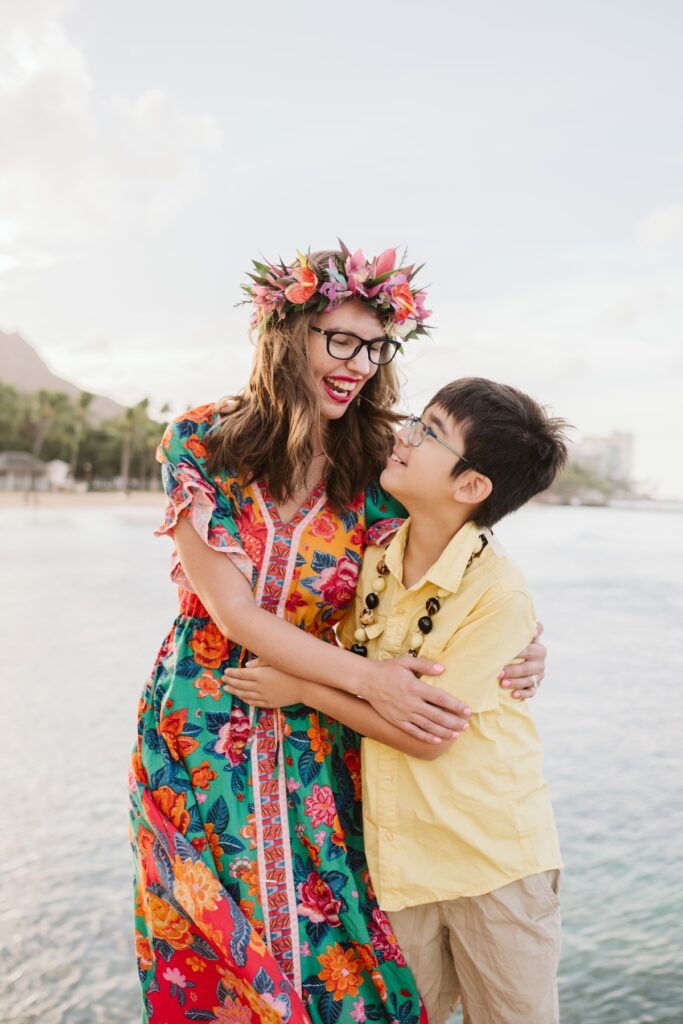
{"type": "Point", "coordinates": [390, 686]}
{"type": "Point", "coordinates": [266, 687]}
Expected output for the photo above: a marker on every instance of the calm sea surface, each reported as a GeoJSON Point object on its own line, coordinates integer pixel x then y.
{"type": "Point", "coordinates": [86, 602]}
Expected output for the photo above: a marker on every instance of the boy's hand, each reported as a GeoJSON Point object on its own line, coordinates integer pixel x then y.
{"type": "Point", "coordinates": [527, 676]}
{"type": "Point", "coordinates": [263, 686]}
{"type": "Point", "coordinates": [421, 710]}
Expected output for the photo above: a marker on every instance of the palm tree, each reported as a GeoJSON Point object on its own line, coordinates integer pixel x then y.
{"type": "Point", "coordinates": [50, 410]}
{"type": "Point", "coordinates": [132, 426]}
{"type": "Point", "coordinates": [82, 406]}
{"type": "Point", "coordinates": [154, 431]}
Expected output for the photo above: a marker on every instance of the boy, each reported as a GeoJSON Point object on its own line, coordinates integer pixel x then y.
{"type": "Point", "coordinates": [460, 837]}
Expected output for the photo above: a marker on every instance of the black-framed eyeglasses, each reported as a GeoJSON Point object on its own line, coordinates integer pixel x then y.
{"type": "Point", "coordinates": [345, 345]}
{"type": "Point", "coordinates": [418, 431]}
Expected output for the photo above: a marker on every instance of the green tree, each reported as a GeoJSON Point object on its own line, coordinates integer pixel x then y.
{"type": "Point", "coordinates": [51, 415]}
{"type": "Point", "coordinates": [80, 414]}
{"type": "Point", "coordinates": [13, 409]}
{"type": "Point", "coordinates": [576, 480]}
{"type": "Point", "coordinates": [132, 428]}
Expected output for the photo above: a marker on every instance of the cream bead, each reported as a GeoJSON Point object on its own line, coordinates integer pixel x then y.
{"type": "Point", "coordinates": [374, 631]}
{"type": "Point", "coordinates": [360, 636]}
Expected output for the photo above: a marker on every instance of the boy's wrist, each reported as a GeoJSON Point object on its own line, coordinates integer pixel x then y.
{"type": "Point", "coordinates": [304, 691]}
{"type": "Point", "coordinates": [361, 684]}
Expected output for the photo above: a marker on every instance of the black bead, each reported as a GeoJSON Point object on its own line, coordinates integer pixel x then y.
{"type": "Point", "coordinates": [412, 652]}
{"type": "Point", "coordinates": [432, 605]}
{"type": "Point", "coordinates": [372, 599]}
{"type": "Point", "coordinates": [424, 624]}
{"type": "Point", "coordinates": [360, 649]}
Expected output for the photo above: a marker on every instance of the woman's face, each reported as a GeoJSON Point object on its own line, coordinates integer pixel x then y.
{"type": "Point", "coordinates": [338, 381]}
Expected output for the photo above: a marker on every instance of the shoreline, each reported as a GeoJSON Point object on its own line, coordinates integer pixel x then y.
{"type": "Point", "coordinates": [90, 499]}
{"type": "Point", "coordinates": [157, 499]}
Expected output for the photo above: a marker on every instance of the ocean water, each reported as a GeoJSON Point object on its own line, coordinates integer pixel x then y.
{"type": "Point", "coordinates": [86, 602]}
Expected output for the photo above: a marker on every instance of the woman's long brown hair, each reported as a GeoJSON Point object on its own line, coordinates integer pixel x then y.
{"type": "Point", "coordinates": [268, 433]}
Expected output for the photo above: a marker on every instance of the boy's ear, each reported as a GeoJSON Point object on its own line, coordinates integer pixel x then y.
{"type": "Point", "coordinates": [471, 488]}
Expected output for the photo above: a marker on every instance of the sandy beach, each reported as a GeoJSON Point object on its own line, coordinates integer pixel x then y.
{"type": "Point", "coordinates": [73, 500]}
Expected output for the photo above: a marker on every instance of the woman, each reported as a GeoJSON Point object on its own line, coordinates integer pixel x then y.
{"type": "Point", "coordinates": [253, 897]}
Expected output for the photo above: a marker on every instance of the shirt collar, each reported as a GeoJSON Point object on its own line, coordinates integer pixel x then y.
{"type": "Point", "coordinates": [449, 568]}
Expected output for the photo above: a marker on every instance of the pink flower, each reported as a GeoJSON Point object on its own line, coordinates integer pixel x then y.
{"type": "Point", "coordinates": [253, 533]}
{"type": "Point", "coordinates": [335, 293]}
{"type": "Point", "coordinates": [320, 806]}
{"type": "Point", "coordinates": [277, 1003]}
{"type": "Point", "coordinates": [336, 288]}
{"type": "Point", "coordinates": [383, 939]}
{"type": "Point", "coordinates": [263, 297]}
{"type": "Point", "coordinates": [385, 262]}
{"type": "Point", "coordinates": [292, 784]}
{"type": "Point", "coordinates": [337, 585]}
{"type": "Point", "coordinates": [422, 313]}
{"type": "Point", "coordinates": [174, 977]}
{"type": "Point", "coordinates": [324, 526]}
{"type": "Point", "coordinates": [358, 1012]}
{"type": "Point", "coordinates": [317, 902]}
{"type": "Point", "coordinates": [233, 736]}
{"type": "Point", "coordinates": [357, 273]}
{"type": "Point", "coordinates": [320, 837]}
{"type": "Point", "coordinates": [305, 949]}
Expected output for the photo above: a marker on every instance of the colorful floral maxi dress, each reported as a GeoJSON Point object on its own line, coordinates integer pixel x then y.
{"type": "Point", "coordinates": [253, 901]}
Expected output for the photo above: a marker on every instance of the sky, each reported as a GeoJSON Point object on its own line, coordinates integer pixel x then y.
{"type": "Point", "coordinates": [531, 154]}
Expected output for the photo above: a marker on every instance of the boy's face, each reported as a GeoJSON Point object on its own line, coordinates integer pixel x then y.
{"type": "Point", "coordinates": [419, 476]}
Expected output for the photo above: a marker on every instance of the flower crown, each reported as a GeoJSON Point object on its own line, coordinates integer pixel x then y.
{"type": "Point", "coordinates": [278, 289]}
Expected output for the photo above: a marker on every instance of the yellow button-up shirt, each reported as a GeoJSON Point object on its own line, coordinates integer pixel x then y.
{"type": "Point", "coordinates": [479, 816]}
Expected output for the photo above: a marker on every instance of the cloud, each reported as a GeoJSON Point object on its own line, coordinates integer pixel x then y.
{"type": "Point", "coordinates": [78, 166]}
{"type": "Point", "coordinates": [596, 336]}
{"type": "Point", "coordinates": [661, 227]}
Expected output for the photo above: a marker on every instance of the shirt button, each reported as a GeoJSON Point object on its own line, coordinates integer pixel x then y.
{"type": "Point", "coordinates": [388, 778]}
{"type": "Point", "coordinates": [389, 836]}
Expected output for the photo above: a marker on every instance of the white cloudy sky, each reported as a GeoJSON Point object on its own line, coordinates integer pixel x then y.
{"type": "Point", "coordinates": [530, 152]}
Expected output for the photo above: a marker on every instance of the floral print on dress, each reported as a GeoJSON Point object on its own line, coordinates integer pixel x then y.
{"type": "Point", "coordinates": [253, 899]}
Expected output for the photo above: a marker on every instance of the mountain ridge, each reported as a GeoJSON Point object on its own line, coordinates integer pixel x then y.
{"type": "Point", "coordinates": [24, 369]}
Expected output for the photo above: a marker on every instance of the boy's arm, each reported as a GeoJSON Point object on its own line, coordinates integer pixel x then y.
{"type": "Point", "coordinates": [496, 629]}
{"type": "Point", "coordinates": [265, 686]}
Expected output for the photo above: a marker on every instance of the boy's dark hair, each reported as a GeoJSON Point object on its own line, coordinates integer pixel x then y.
{"type": "Point", "coordinates": [508, 437]}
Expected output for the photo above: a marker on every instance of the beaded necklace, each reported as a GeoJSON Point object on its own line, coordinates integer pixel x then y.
{"type": "Point", "coordinates": [369, 629]}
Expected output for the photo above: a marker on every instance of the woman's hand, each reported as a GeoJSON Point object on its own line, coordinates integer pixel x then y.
{"type": "Point", "coordinates": [527, 676]}
{"type": "Point", "coordinates": [393, 690]}
{"type": "Point", "coordinates": [421, 710]}
{"type": "Point", "coordinates": [264, 686]}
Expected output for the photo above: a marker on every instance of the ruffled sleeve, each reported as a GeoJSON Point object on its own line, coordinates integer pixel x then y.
{"type": "Point", "coordinates": [383, 515]}
{"type": "Point", "coordinates": [194, 495]}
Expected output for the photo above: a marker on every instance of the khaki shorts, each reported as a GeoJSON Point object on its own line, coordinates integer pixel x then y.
{"type": "Point", "coordinates": [497, 953]}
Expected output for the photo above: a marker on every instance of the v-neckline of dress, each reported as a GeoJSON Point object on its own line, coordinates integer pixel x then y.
{"type": "Point", "coordinates": [301, 512]}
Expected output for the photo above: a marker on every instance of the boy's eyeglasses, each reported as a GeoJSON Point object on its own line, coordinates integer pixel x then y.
{"type": "Point", "coordinates": [418, 431]}
{"type": "Point", "coordinates": [345, 345]}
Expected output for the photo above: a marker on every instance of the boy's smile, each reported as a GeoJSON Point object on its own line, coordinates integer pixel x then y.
{"type": "Point", "coordinates": [423, 470]}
